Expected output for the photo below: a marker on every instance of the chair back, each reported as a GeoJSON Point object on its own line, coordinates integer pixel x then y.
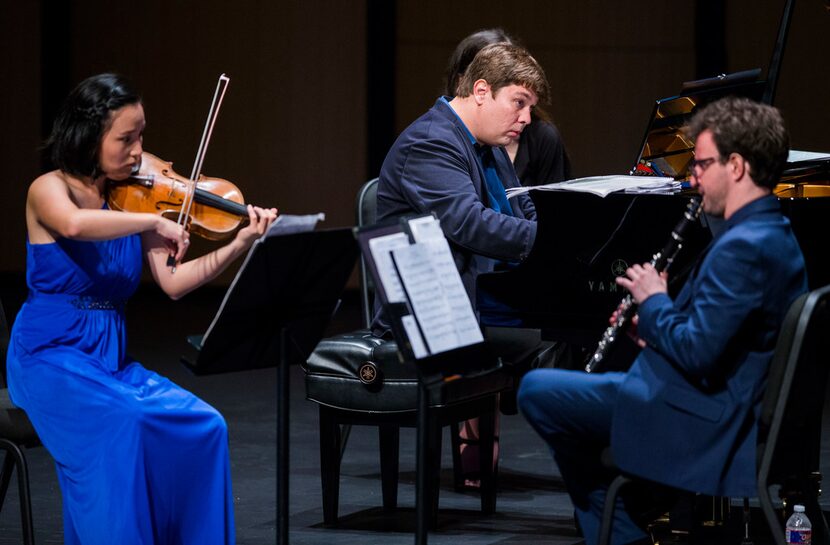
{"type": "Point", "coordinates": [789, 431]}
{"type": "Point", "coordinates": [366, 210]}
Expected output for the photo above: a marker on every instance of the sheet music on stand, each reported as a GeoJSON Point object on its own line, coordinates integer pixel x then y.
{"type": "Point", "coordinates": [419, 286]}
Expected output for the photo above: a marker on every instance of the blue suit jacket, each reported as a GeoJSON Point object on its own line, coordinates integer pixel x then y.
{"type": "Point", "coordinates": [433, 167]}
{"type": "Point", "coordinates": [688, 408]}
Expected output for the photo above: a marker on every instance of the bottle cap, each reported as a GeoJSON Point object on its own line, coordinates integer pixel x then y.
{"type": "Point", "coordinates": [798, 508]}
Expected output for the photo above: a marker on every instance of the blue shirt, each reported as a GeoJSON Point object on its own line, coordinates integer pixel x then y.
{"type": "Point", "coordinates": [495, 187]}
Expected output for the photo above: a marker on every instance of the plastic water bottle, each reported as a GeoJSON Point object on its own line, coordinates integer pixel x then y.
{"type": "Point", "coordinates": [799, 529]}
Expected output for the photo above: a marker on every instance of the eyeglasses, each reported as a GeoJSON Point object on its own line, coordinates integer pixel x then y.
{"type": "Point", "coordinates": [699, 166]}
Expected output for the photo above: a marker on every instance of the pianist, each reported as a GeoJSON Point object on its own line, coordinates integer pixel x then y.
{"type": "Point", "coordinates": [451, 161]}
{"type": "Point", "coordinates": [538, 155]}
{"type": "Point", "coordinates": [685, 413]}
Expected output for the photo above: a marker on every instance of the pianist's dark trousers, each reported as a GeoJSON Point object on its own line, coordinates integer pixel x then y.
{"type": "Point", "coordinates": [572, 412]}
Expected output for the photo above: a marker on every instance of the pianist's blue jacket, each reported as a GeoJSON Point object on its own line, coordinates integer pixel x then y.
{"type": "Point", "coordinates": [687, 411]}
{"type": "Point", "coordinates": [433, 167]}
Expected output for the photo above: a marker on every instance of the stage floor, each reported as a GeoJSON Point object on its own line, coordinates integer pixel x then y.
{"type": "Point", "coordinates": [532, 508]}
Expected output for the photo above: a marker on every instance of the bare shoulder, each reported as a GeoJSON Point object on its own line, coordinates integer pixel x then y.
{"type": "Point", "coordinates": [48, 186]}
{"type": "Point", "coordinates": [47, 204]}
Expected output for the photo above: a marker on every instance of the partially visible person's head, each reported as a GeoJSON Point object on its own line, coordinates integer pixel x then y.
{"type": "Point", "coordinates": [502, 65]}
{"type": "Point", "coordinates": [85, 117]}
{"type": "Point", "coordinates": [752, 130]}
{"type": "Point", "coordinates": [466, 51]}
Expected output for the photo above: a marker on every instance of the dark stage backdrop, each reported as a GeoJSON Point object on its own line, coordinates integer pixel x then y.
{"type": "Point", "coordinates": [608, 61]}
{"type": "Point", "coordinates": [296, 124]}
{"type": "Point", "coordinates": [292, 129]}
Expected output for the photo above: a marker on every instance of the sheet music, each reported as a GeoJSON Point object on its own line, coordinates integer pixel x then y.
{"type": "Point", "coordinates": [431, 309]}
{"type": "Point", "coordinates": [414, 335]}
{"type": "Point", "coordinates": [413, 265]}
{"type": "Point", "coordinates": [796, 156]}
{"type": "Point", "coordinates": [427, 230]}
{"type": "Point", "coordinates": [602, 185]}
{"type": "Point", "coordinates": [288, 224]}
{"type": "Point", "coordinates": [388, 277]}
{"type": "Point", "coordinates": [453, 291]}
{"type": "Point", "coordinates": [444, 311]}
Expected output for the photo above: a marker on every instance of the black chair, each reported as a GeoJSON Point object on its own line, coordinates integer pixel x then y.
{"type": "Point", "coordinates": [16, 435]}
{"type": "Point", "coordinates": [358, 379]}
{"type": "Point", "coordinates": [789, 431]}
{"type": "Point", "coordinates": [789, 428]}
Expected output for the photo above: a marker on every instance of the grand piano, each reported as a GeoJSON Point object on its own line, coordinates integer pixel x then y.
{"type": "Point", "coordinates": [566, 285]}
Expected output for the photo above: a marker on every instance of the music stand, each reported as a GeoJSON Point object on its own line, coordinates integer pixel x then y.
{"type": "Point", "coordinates": [274, 314]}
{"type": "Point", "coordinates": [410, 289]}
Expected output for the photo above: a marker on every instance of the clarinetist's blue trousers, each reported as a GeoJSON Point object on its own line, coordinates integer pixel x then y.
{"type": "Point", "coordinates": [572, 412]}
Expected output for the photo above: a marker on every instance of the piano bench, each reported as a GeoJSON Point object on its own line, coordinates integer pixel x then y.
{"type": "Point", "coordinates": [359, 379]}
{"type": "Point", "coordinates": [337, 376]}
{"type": "Point", "coordinates": [360, 372]}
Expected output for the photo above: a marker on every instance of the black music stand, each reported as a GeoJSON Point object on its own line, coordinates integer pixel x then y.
{"type": "Point", "coordinates": [439, 371]}
{"type": "Point", "coordinates": [274, 314]}
{"type": "Point", "coordinates": [436, 373]}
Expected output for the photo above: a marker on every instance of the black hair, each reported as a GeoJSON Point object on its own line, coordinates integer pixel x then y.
{"type": "Point", "coordinates": [83, 120]}
{"type": "Point", "coordinates": [466, 51]}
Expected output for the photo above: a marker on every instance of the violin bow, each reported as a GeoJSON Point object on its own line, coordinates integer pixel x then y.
{"type": "Point", "coordinates": [213, 113]}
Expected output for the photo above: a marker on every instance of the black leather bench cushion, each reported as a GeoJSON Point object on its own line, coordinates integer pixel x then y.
{"type": "Point", "coordinates": [332, 377]}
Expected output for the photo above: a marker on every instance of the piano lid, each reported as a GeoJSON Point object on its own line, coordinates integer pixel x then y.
{"type": "Point", "coordinates": [665, 149]}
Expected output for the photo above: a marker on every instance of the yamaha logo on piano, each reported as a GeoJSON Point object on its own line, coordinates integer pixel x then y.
{"type": "Point", "coordinates": [618, 267]}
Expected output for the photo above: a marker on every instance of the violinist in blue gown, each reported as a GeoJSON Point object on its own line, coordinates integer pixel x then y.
{"type": "Point", "coordinates": [139, 459]}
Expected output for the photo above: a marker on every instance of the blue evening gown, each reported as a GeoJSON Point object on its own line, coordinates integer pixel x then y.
{"type": "Point", "coordinates": [139, 459]}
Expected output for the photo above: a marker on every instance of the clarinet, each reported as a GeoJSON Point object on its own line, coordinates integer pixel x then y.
{"type": "Point", "coordinates": [660, 261]}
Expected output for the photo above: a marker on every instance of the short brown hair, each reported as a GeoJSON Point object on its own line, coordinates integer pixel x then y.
{"type": "Point", "coordinates": [754, 131]}
{"type": "Point", "coordinates": [467, 50]}
{"type": "Point", "coordinates": [504, 64]}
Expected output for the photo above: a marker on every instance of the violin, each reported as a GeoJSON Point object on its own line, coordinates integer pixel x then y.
{"type": "Point", "coordinates": [217, 209]}
{"type": "Point", "coordinates": [210, 207]}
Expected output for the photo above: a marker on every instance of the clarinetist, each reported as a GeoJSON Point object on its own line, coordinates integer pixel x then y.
{"type": "Point", "coordinates": [685, 413]}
